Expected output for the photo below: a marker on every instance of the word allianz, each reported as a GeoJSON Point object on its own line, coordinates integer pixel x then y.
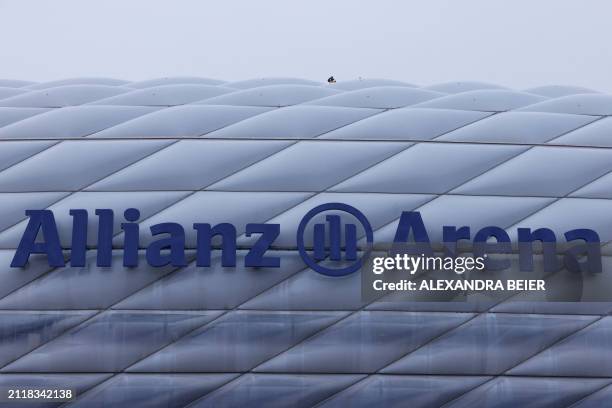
{"type": "Point", "coordinates": [168, 248]}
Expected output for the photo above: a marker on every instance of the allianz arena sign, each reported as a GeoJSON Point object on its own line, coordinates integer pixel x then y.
{"type": "Point", "coordinates": [331, 241]}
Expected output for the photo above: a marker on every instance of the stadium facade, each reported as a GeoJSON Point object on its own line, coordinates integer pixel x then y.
{"type": "Point", "coordinates": [191, 150]}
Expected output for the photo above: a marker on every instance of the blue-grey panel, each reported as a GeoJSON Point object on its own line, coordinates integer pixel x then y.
{"type": "Point", "coordinates": [68, 95]}
{"type": "Point", "coordinates": [214, 287]}
{"type": "Point", "coordinates": [13, 278]}
{"type": "Point", "coordinates": [542, 171]}
{"type": "Point", "coordinates": [21, 332]}
{"type": "Point", "coordinates": [174, 81]}
{"type": "Point", "coordinates": [12, 115]}
{"type": "Point", "coordinates": [584, 354]}
{"type": "Point", "coordinates": [556, 91]}
{"type": "Point", "coordinates": [181, 121]}
{"type": "Point", "coordinates": [595, 134]}
{"type": "Point", "coordinates": [202, 163]}
{"type": "Point", "coordinates": [308, 166]}
{"type": "Point", "coordinates": [430, 168]}
{"type": "Point", "coordinates": [165, 95]}
{"type": "Point", "coordinates": [407, 124]}
{"type": "Point", "coordinates": [78, 81]}
{"type": "Point", "coordinates": [110, 342]}
{"type": "Point", "coordinates": [82, 163]}
{"type": "Point", "coordinates": [598, 188]}
{"type": "Point", "coordinates": [84, 287]}
{"type": "Point", "coordinates": [237, 342]}
{"type": "Point", "coordinates": [271, 95]}
{"type": "Point", "coordinates": [519, 127]}
{"type": "Point", "coordinates": [489, 100]}
{"type": "Point", "coordinates": [294, 122]}
{"type": "Point", "coordinates": [363, 342]}
{"type": "Point", "coordinates": [463, 86]}
{"type": "Point", "coordinates": [490, 344]}
{"type": "Point", "coordinates": [392, 391]}
{"type": "Point", "coordinates": [13, 205]}
{"type": "Point", "coordinates": [309, 290]}
{"type": "Point", "coordinates": [598, 399]}
{"type": "Point", "coordinates": [8, 92]}
{"type": "Point", "coordinates": [151, 390]}
{"type": "Point", "coordinates": [12, 152]}
{"type": "Point", "coordinates": [509, 392]}
{"type": "Point", "coordinates": [72, 122]}
{"type": "Point", "coordinates": [276, 391]}
{"type": "Point", "coordinates": [16, 83]}
{"type": "Point", "coordinates": [380, 97]}
{"type": "Point", "coordinates": [581, 104]}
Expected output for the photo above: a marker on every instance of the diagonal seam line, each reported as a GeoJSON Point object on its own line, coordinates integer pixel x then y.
{"type": "Point", "coordinates": [553, 344]}
{"type": "Point", "coordinates": [93, 389]}
{"type": "Point", "coordinates": [313, 139]}
{"type": "Point", "coordinates": [589, 395]}
{"type": "Point", "coordinates": [329, 397]}
{"type": "Point", "coordinates": [53, 143]}
{"type": "Point", "coordinates": [60, 333]}
{"type": "Point", "coordinates": [83, 136]}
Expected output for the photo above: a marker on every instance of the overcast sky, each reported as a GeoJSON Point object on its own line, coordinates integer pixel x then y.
{"type": "Point", "coordinates": [517, 43]}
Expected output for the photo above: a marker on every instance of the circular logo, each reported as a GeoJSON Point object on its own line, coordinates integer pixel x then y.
{"type": "Point", "coordinates": [320, 240]}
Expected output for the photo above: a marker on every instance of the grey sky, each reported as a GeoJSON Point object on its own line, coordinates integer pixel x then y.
{"type": "Point", "coordinates": [517, 43]}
